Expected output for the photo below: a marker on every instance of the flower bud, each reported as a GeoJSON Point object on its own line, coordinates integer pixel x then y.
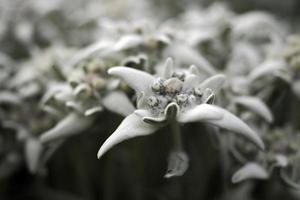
{"type": "Point", "coordinates": [152, 101]}
{"type": "Point", "coordinates": [173, 85]}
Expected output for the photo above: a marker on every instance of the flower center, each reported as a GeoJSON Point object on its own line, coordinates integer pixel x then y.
{"type": "Point", "coordinates": [172, 90]}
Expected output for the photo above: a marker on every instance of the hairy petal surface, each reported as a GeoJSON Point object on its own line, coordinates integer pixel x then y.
{"type": "Point", "coordinates": [132, 126]}
{"type": "Point", "coordinates": [10, 98]}
{"type": "Point", "coordinates": [177, 164]}
{"type": "Point", "coordinates": [191, 81]}
{"type": "Point", "coordinates": [168, 68]}
{"type": "Point", "coordinates": [70, 125]}
{"type": "Point", "coordinates": [250, 171]}
{"type": "Point", "coordinates": [127, 42]}
{"type": "Point", "coordinates": [267, 68]}
{"type": "Point", "coordinates": [88, 51]}
{"type": "Point", "coordinates": [171, 111]}
{"type": "Point", "coordinates": [118, 102]}
{"type": "Point", "coordinates": [187, 55]}
{"type": "Point", "coordinates": [200, 113]}
{"type": "Point", "coordinates": [255, 105]}
{"type": "Point", "coordinates": [215, 82]}
{"type": "Point", "coordinates": [138, 80]}
{"type": "Point", "coordinates": [33, 150]}
{"type": "Point", "coordinates": [221, 118]}
{"type": "Point", "coordinates": [155, 121]}
{"type": "Point", "coordinates": [93, 110]}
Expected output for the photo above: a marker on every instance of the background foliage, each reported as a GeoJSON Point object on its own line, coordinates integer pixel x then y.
{"type": "Point", "coordinates": [37, 38]}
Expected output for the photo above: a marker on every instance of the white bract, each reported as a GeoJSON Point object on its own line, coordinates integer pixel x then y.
{"type": "Point", "coordinates": [176, 97]}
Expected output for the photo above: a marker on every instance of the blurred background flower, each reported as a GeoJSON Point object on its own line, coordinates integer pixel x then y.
{"type": "Point", "coordinates": [58, 103]}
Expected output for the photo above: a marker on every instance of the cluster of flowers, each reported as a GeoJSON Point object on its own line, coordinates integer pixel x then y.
{"type": "Point", "coordinates": [210, 66]}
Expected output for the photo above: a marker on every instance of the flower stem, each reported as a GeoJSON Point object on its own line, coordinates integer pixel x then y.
{"type": "Point", "coordinates": [176, 137]}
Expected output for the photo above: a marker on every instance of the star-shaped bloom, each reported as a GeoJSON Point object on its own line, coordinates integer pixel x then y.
{"type": "Point", "coordinates": [280, 158]}
{"type": "Point", "coordinates": [88, 92]}
{"type": "Point", "coordinates": [175, 97]}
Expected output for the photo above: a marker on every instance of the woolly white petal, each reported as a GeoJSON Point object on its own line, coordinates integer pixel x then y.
{"type": "Point", "coordinates": [221, 118]}
{"type": "Point", "coordinates": [33, 149]}
{"type": "Point", "coordinates": [250, 171]}
{"type": "Point", "coordinates": [190, 81]}
{"type": "Point", "coordinates": [10, 98]}
{"type": "Point", "coordinates": [168, 68]}
{"type": "Point", "coordinates": [255, 105]}
{"type": "Point", "coordinates": [132, 126]}
{"type": "Point", "coordinates": [268, 68]}
{"type": "Point", "coordinates": [128, 41]}
{"type": "Point", "coordinates": [70, 125]}
{"type": "Point", "coordinates": [187, 55]}
{"type": "Point", "coordinates": [200, 113]}
{"type": "Point", "coordinates": [119, 103]}
{"type": "Point", "coordinates": [138, 80]}
{"type": "Point", "coordinates": [177, 164]}
{"type": "Point", "coordinates": [171, 111]}
{"type": "Point", "coordinates": [93, 110]}
{"type": "Point", "coordinates": [215, 82]}
{"type": "Point", "coordinates": [88, 51]}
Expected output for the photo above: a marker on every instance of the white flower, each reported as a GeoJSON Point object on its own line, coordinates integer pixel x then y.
{"type": "Point", "coordinates": [173, 98]}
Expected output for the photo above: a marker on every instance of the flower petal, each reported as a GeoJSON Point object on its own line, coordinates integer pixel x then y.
{"type": "Point", "coordinates": [132, 126]}
{"type": "Point", "coordinates": [177, 164]}
{"type": "Point", "coordinates": [138, 80]}
{"type": "Point", "coordinates": [60, 91]}
{"type": "Point", "coordinates": [255, 105]}
{"type": "Point", "coordinates": [118, 102]}
{"type": "Point", "coordinates": [190, 81]}
{"type": "Point", "coordinates": [199, 113]}
{"type": "Point", "coordinates": [215, 82]}
{"type": "Point", "coordinates": [267, 68]}
{"type": "Point", "coordinates": [221, 118]}
{"type": "Point", "coordinates": [70, 125]}
{"type": "Point", "coordinates": [210, 99]}
{"type": "Point", "coordinates": [194, 70]}
{"type": "Point", "coordinates": [128, 41]}
{"type": "Point", "coordinates": [10, 98]}
{"type": "Point", "coordinates": [33, 149]}
{"type": "Point", "coordinates": [155, 121]}
{"type": "Point", "coordinates": [281, 160]}
{"type": "Point", "coordinates": [171, 111]}
{"type": "Point", "coordinates": [88, 51]}
{"type": "Point", "coordinates": [168, 68]}
{"type": "Point", "coordinates": [141, 101]}
{"type": "Point", "coordinates": [143, 113]}
{"type": "Point", "coordinates": [187, 55]}
{"type": "Point", "coordinates": [93, 110]}
{"type": "Point", "coordinates": [250, 171]}
{"type": "Point", "coordinates": [287, 180]}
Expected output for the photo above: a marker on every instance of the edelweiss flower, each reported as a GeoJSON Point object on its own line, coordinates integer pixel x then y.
{"type": "Point", "coordinates": [176, 97]}
{"type": "Point", "coordinates": [88, 92]}
{"type": "Point", "coordinates": [281, 156]}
